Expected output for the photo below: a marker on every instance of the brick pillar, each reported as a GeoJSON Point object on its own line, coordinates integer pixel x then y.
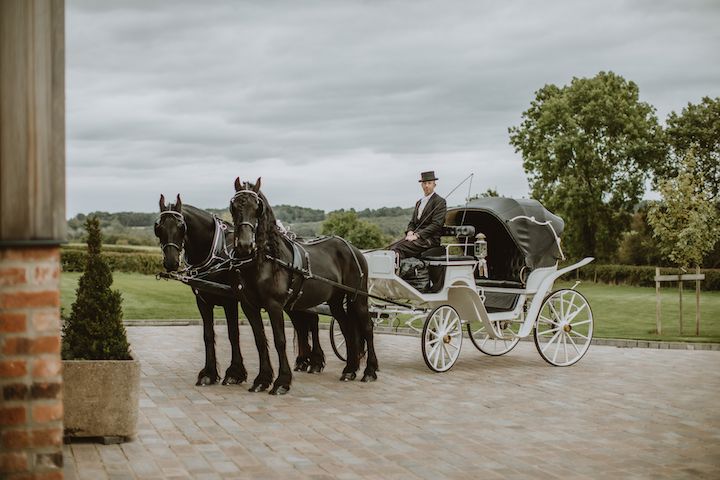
{"type": "Point", "coordinates": [31, 430]}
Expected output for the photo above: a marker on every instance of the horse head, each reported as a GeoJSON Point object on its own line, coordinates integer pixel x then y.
{"type": "Point", "coordinates": [247, 207]}
{"type": "Point", "coordinates": [170, 228]}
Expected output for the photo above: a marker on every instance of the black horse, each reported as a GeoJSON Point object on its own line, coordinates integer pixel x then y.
{"type": "Point", "coordinates": [275, 275]}
{"type": "Point", "coordinates": [205, 239]}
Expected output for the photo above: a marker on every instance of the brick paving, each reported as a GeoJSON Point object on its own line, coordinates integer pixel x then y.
{"type": "Point", "coordinates": [619, 413]}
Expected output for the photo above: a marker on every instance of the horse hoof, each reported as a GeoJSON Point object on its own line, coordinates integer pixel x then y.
{"type": "Point", "coordinates": [204, 381]}
{"type": "Point", "coordinates": [232, 381]}
{"type": "Point", "coordinates": [260, 387]}
{"type": "Point", "coordinates": [279, 390]}
{"type": "Point", "coordinates": [315, 369]}
{"type": "Point", "coordinates": [369, 377]}
{"type": "Point", "coordinates": [348, 377]}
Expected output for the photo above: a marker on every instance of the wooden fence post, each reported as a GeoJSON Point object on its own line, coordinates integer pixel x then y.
{"type": "Point", "coordinates": [680, 288]}
{"type": "Point", "coordinates": [697, 302]}
{"type": "Point", "coordinates": [658, 323]}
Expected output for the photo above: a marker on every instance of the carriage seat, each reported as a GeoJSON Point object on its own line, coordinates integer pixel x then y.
{"type": "Point", "coordinates": [450, 258]}
{"type": "Point", "coordinates": [486, 282]}
{"type": "Point", "coordinates": [437, 254]}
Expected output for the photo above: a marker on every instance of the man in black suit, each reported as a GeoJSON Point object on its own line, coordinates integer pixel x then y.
{"type": "Point", "coordinates": [425, 227]}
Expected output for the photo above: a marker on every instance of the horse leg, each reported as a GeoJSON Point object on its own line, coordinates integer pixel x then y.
{"type": "Point", "coordinates": [317, 356]}
{"type": "Point", "coordinates": [236, 372]}
{"type": "Point", "coordinates": [284, 378]}
{"type": "Point", "coordinates": [265, 376]}
{"type": "Point", "coordinates": [302, 362]}
{"type": "Point", "coordinates": [358, 311]}
{"type": "Point", "coordinates": [209, 374]}
{"type": "Point", "coordinates": [351, 339]}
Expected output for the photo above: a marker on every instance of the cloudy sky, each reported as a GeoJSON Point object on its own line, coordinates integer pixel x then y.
{"type": "Point", "coordinates": [340, 104]}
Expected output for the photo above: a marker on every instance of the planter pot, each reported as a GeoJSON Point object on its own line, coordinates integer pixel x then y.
{"type": "Point", "coordinates": [100, 398]}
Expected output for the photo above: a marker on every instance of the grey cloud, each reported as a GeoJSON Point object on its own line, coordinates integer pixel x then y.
{"type": "Point", "coordinates": [221, 85]}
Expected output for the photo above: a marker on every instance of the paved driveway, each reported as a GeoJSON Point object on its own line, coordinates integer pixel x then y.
{"type": "Point", "coordinates": [619, 413]}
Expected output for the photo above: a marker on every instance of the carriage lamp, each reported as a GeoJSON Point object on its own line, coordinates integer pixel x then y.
{"type": "Point", "coordinates": [480, 246]}
{"type": "Point", "coordinates": [481, 253]}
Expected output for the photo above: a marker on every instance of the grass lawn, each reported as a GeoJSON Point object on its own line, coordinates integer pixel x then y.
{"type": "Point", "coordinates": [619, 311]}
{"type": "Point", "coordinates": [629, 312]}
{"type": "Point", "coordinates": [143, 296]}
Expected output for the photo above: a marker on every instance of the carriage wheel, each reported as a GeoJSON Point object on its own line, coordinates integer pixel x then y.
{"type": "Point", "coordinates": [564, 328]}
{"type": "Point", "coordinates": [495, 347]}
{"type": "Point", "coordinates": [337, 341]}
{"type": "Point", "coordinates": [442, 338]}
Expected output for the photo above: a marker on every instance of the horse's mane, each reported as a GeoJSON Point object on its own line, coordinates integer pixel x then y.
{"type": "Point", "coordinates": [268, 237]}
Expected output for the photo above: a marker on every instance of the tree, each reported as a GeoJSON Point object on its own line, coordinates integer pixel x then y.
{"type": "Point", "coordinates": [697, 127]}
{"type": "Point", "coordinates": [587, 149]}
{"type": "Point", "coordinates": [638, 245]}
{"type": "Point", "coordinates": [685, 221]}
{"type": "Point", "coordinates": [94, 329]}
{"type": "Point", "coordinates": [360, 233]}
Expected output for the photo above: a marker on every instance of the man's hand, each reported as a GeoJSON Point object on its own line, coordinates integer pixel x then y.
{"type": "Point", "coordinates": [411, 236]}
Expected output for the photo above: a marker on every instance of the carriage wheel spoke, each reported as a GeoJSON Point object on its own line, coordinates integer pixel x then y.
{"type": "Point", "coordinates": [445, 319]}
{"type": "Point", "coordinates": [552, 307]}
{"type": "Point", "coordinates": [435, 353]}
{"type": "Point", "coordinates": [547, 320]}
{"type": "Point", "coordinates": [551, 330]}
{"type": "Point", "coordinates": [551, 341]}
{"type": "Point", "coordinates": [579, 334]}
{"type": "Point", "coordinates": [557, 348]}
{"type": "Point", "coordinates": [581, 323]}
{"type": "Point", "coordinates": [564, 337]}
{"type": "Point", "coordinates": [572, 342]}
{"type": "Point", "coordinates": [577, 311]}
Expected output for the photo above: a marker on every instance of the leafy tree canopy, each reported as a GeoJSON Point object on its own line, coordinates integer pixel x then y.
{"type": "Point", "coordinates": [587, 149]}
{"type": "Point", "coordinates": [360, 233]}
{"type": "Point", "coordinates": [685, 222]}
{"type": "Point", "coordinates": [698, 128]}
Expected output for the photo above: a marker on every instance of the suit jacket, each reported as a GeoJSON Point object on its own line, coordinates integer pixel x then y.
{"type": "Point", "coordinates": [430, 224]}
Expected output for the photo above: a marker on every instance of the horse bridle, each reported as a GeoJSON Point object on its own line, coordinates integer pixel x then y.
{"type": "Point", "coordinates": [181, 223]}
{"type": "Point", "coordinates": [253, 227]}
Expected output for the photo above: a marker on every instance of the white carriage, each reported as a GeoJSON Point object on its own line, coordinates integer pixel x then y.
{"type": "Point", "coordinates": [494, 279]}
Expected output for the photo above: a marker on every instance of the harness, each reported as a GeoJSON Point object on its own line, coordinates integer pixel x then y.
{"type": "Point", "coordinates": [219, 257]}
{"type": "Point", "coordinates": [260, 203]}
{"type": "Point", "coordinates": [300, 270]}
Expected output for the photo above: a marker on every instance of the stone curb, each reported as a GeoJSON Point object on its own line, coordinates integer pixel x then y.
{"type": "Point", "coordinates": [611, 342]}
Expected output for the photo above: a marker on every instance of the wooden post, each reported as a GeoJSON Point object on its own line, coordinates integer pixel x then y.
{"type": "Point", "coordinates": [697, 302]}
{"type": "Point", "coordinates": [32, 226]}
{"type": "Point", "coordinates": [680, 288]}
{"type": "Point", "coordinates": [32, 123]}
{"type": "Point", "coordinates": [658, 323]}
{"type": "Point", "coordinates": [680, 278]}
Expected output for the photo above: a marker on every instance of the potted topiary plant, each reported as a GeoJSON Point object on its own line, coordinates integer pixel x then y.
{"type": "Point", "coordinates": [101, 379]}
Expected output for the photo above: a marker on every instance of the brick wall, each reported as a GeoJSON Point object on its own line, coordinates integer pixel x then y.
{"type": "Point", "coordinates": [31, 409]}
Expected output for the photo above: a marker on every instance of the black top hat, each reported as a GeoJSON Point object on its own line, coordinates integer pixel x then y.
{"type": "Point", "coordinates": [427, 177]}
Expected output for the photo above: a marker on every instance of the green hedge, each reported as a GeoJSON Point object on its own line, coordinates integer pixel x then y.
{"type": "Point", "coordinates": [149, 263]}
{"type": "Point", "coordinates": [73, 260]}
{"type": "Point", "coordinates": [642, 276]}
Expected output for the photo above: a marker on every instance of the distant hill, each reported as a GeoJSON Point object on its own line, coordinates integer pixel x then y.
{"type": "Point", "coordinates": [135, 228]}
